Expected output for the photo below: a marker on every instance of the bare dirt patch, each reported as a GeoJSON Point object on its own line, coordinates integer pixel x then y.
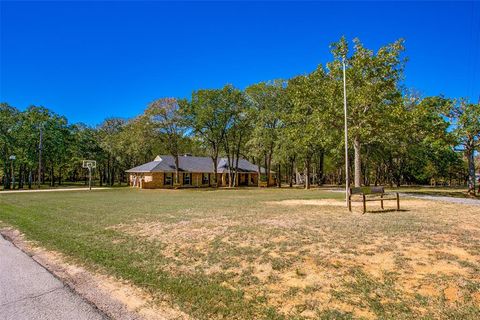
{"type": "Point", "coordinates": [300, 202]}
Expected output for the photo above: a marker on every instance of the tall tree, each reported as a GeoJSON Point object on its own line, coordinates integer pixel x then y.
{"type": "Point", "coordinates": [312, 121]}
{"type": "Point", "coordinates": [9, 118]}
{"type": "Point", "coordinates": [166, 119]}
{"type": "Point", "coordinates": [372, 88]}
{"type": "Point", "coordinates": [237, 130]}
{"type": "Point", "coordinates": [109, 132]}
{"type": "Point", "coordinates": [465, 118]}
{"type": "Point", "coordinates": [269, 102]}
{"type": "Point", "coordinates": [208, 115]}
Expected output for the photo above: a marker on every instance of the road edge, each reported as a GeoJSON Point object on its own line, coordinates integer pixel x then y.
{"type": "Point", "coordinates": [91, 293]}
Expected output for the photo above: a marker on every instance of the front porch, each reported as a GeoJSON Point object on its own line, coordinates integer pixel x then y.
{"type": "Point", "coordinates": [153, 180]}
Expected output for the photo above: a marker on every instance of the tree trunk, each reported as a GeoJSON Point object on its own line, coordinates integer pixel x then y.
{"type": "Point", "coordinates": [358, 162]}
{"type": "Point", "coordinates": [292, 171]}
{"type": "Point", "coordinates": [52, 177]}
{"type": "Point", "coordinates": [320, 177]}
{"type": "Point", "coordinates": [259, 172]}
{"type": "Point", "coordinates": [269, 164]}
{"type": "Point", "coordinates": [377, 175]}
{"type": "Point", "coordinates": [229, 171]}
{"type": "Point", "coordinates": [235, 177]}
{"type": "Point", "coordinates": [215, 169]}
{"type": "Point", "coordinates": [229, 162]}
{"type": "Point", "coordinates": [177, 166]}
{"type": "Point", "coordinates": [279, 176]}
{"type": "Point", "coordinates": [307, 173]}
{"type": "Point", "coordinates": [471, 169]}
{"type": "Point", "coordinates": [20, 177]}
{"type": "Point", "coordinates": [265, 163]}
{"type": "Point", "coordinates": [237, 157]}
{"type": "Point", "coordinates": [6, 175]}
{"type": "Point", "coordinates": [30, 178]}
{"type": "Point", "coordinates": [112, 174]}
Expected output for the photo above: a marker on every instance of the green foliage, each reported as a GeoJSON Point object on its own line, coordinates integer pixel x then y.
{"type": "Point", "coordinates": [270, 104]}
{"type": "Point", "coordinates": [465, 119]}
{"type": "Point", "coordinates": [297, 124]}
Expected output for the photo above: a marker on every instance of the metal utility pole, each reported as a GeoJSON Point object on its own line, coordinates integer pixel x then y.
{"type": "Point", "coordinates": [474, 168]}
{"type": "Point", "coordinates": [40, 156]}
{"type": "Point", "coordinates": [347, 175]}
{"type": "Point", "coordinates": [12, 158]}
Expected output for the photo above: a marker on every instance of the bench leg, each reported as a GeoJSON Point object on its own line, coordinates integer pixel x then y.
{"type": "Point", "coordinates": [398, 202]}
{"type": "Point", "coordinates": [381, 201]}
{"type": "Point", "coordinates": [364, 204]}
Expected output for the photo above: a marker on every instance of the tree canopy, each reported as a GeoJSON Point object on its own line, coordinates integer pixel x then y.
{"type": "Point", "coordinates": [291, 127]}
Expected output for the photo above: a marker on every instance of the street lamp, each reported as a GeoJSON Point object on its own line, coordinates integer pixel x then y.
{"type": "Point", "coordinates": [12, 158]}
{"type": "Point", "coordinates": [347, 177]}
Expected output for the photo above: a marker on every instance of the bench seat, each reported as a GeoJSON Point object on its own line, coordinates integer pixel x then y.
{"type": "Point", "coordinates": [378, 194]}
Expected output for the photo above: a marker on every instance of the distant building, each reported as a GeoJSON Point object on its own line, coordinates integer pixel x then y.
{"type": "Point", "coordinates": [194, 172]}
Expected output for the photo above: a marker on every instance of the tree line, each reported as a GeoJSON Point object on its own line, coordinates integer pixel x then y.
{"type": "Point", "coordinates": [292, 127]}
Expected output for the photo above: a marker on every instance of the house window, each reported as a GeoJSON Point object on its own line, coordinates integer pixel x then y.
{"type": "Point", "coordinates": [168, 179]}
{"type": "Point", "coordinates": [205, 178]}
{"type": "Point", "coordinates": [187, 178]}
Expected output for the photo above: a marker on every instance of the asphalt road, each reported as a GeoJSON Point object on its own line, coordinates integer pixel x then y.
{"type": "Point", "coordinates": [28, 291]}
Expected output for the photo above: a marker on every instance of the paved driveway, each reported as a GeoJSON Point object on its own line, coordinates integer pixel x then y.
{"type": "Point", "coordinates": [473, 202]}
{"type": "Point", "coordinates": [28, 291]}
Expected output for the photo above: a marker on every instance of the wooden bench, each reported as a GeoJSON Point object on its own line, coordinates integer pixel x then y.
{"type": "Point", "coordinates": [375, 191]}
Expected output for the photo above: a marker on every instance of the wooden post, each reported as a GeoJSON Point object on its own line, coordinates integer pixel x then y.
{"type": "Point", "coordinates": [349, 202]}
{"type": "Point", "coordinates": [398, 202]}
{"type": "Point", "coordinates": [364, 203]}
{"type": "Point", "coordinates": [381, 200]}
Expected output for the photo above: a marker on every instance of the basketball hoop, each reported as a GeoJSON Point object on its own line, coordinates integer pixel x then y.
{"type": "Point", "coordinates": [89, 164]}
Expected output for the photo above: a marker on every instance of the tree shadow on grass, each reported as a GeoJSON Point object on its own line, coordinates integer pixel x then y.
{"type": "Point", "coordinates": [379, 211]}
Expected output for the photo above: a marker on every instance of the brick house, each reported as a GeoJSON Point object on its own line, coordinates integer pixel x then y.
{"type": "Point", "coordinates": [193, 172]}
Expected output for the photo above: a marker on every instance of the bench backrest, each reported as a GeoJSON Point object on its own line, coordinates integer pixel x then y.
{"type": "Point", "coordinates": [367, 190]}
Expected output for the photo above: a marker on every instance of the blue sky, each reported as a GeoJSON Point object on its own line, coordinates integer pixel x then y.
{"type": "Point", "coordinates": [92, 60]}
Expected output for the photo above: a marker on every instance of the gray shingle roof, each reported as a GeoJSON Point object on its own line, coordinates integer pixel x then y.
{"type": "Point", "coordinates": [165, 163]}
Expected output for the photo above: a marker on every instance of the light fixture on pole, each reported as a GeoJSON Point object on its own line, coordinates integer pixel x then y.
{"type": "Point", "coordinates": [347, 175]}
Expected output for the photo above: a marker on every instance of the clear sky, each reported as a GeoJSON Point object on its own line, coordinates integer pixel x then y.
{"type": "Point", "coordinates": [91, 60]}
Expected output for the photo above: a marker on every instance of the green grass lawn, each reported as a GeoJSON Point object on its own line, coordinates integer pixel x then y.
{"type": "Point", "coordinates": [265, 253]}
{"type": "Point", "coordinates": [64, 185]}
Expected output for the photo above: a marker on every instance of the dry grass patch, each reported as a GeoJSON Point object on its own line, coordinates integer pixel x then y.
{"type": "Point", "coordinates": [268, 253]}
{"type": "Point", "coordinates": [309, 257]}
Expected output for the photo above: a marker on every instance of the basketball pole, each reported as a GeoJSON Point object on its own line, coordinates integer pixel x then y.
{"type": "Point", "coordinates": [90, 177]}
